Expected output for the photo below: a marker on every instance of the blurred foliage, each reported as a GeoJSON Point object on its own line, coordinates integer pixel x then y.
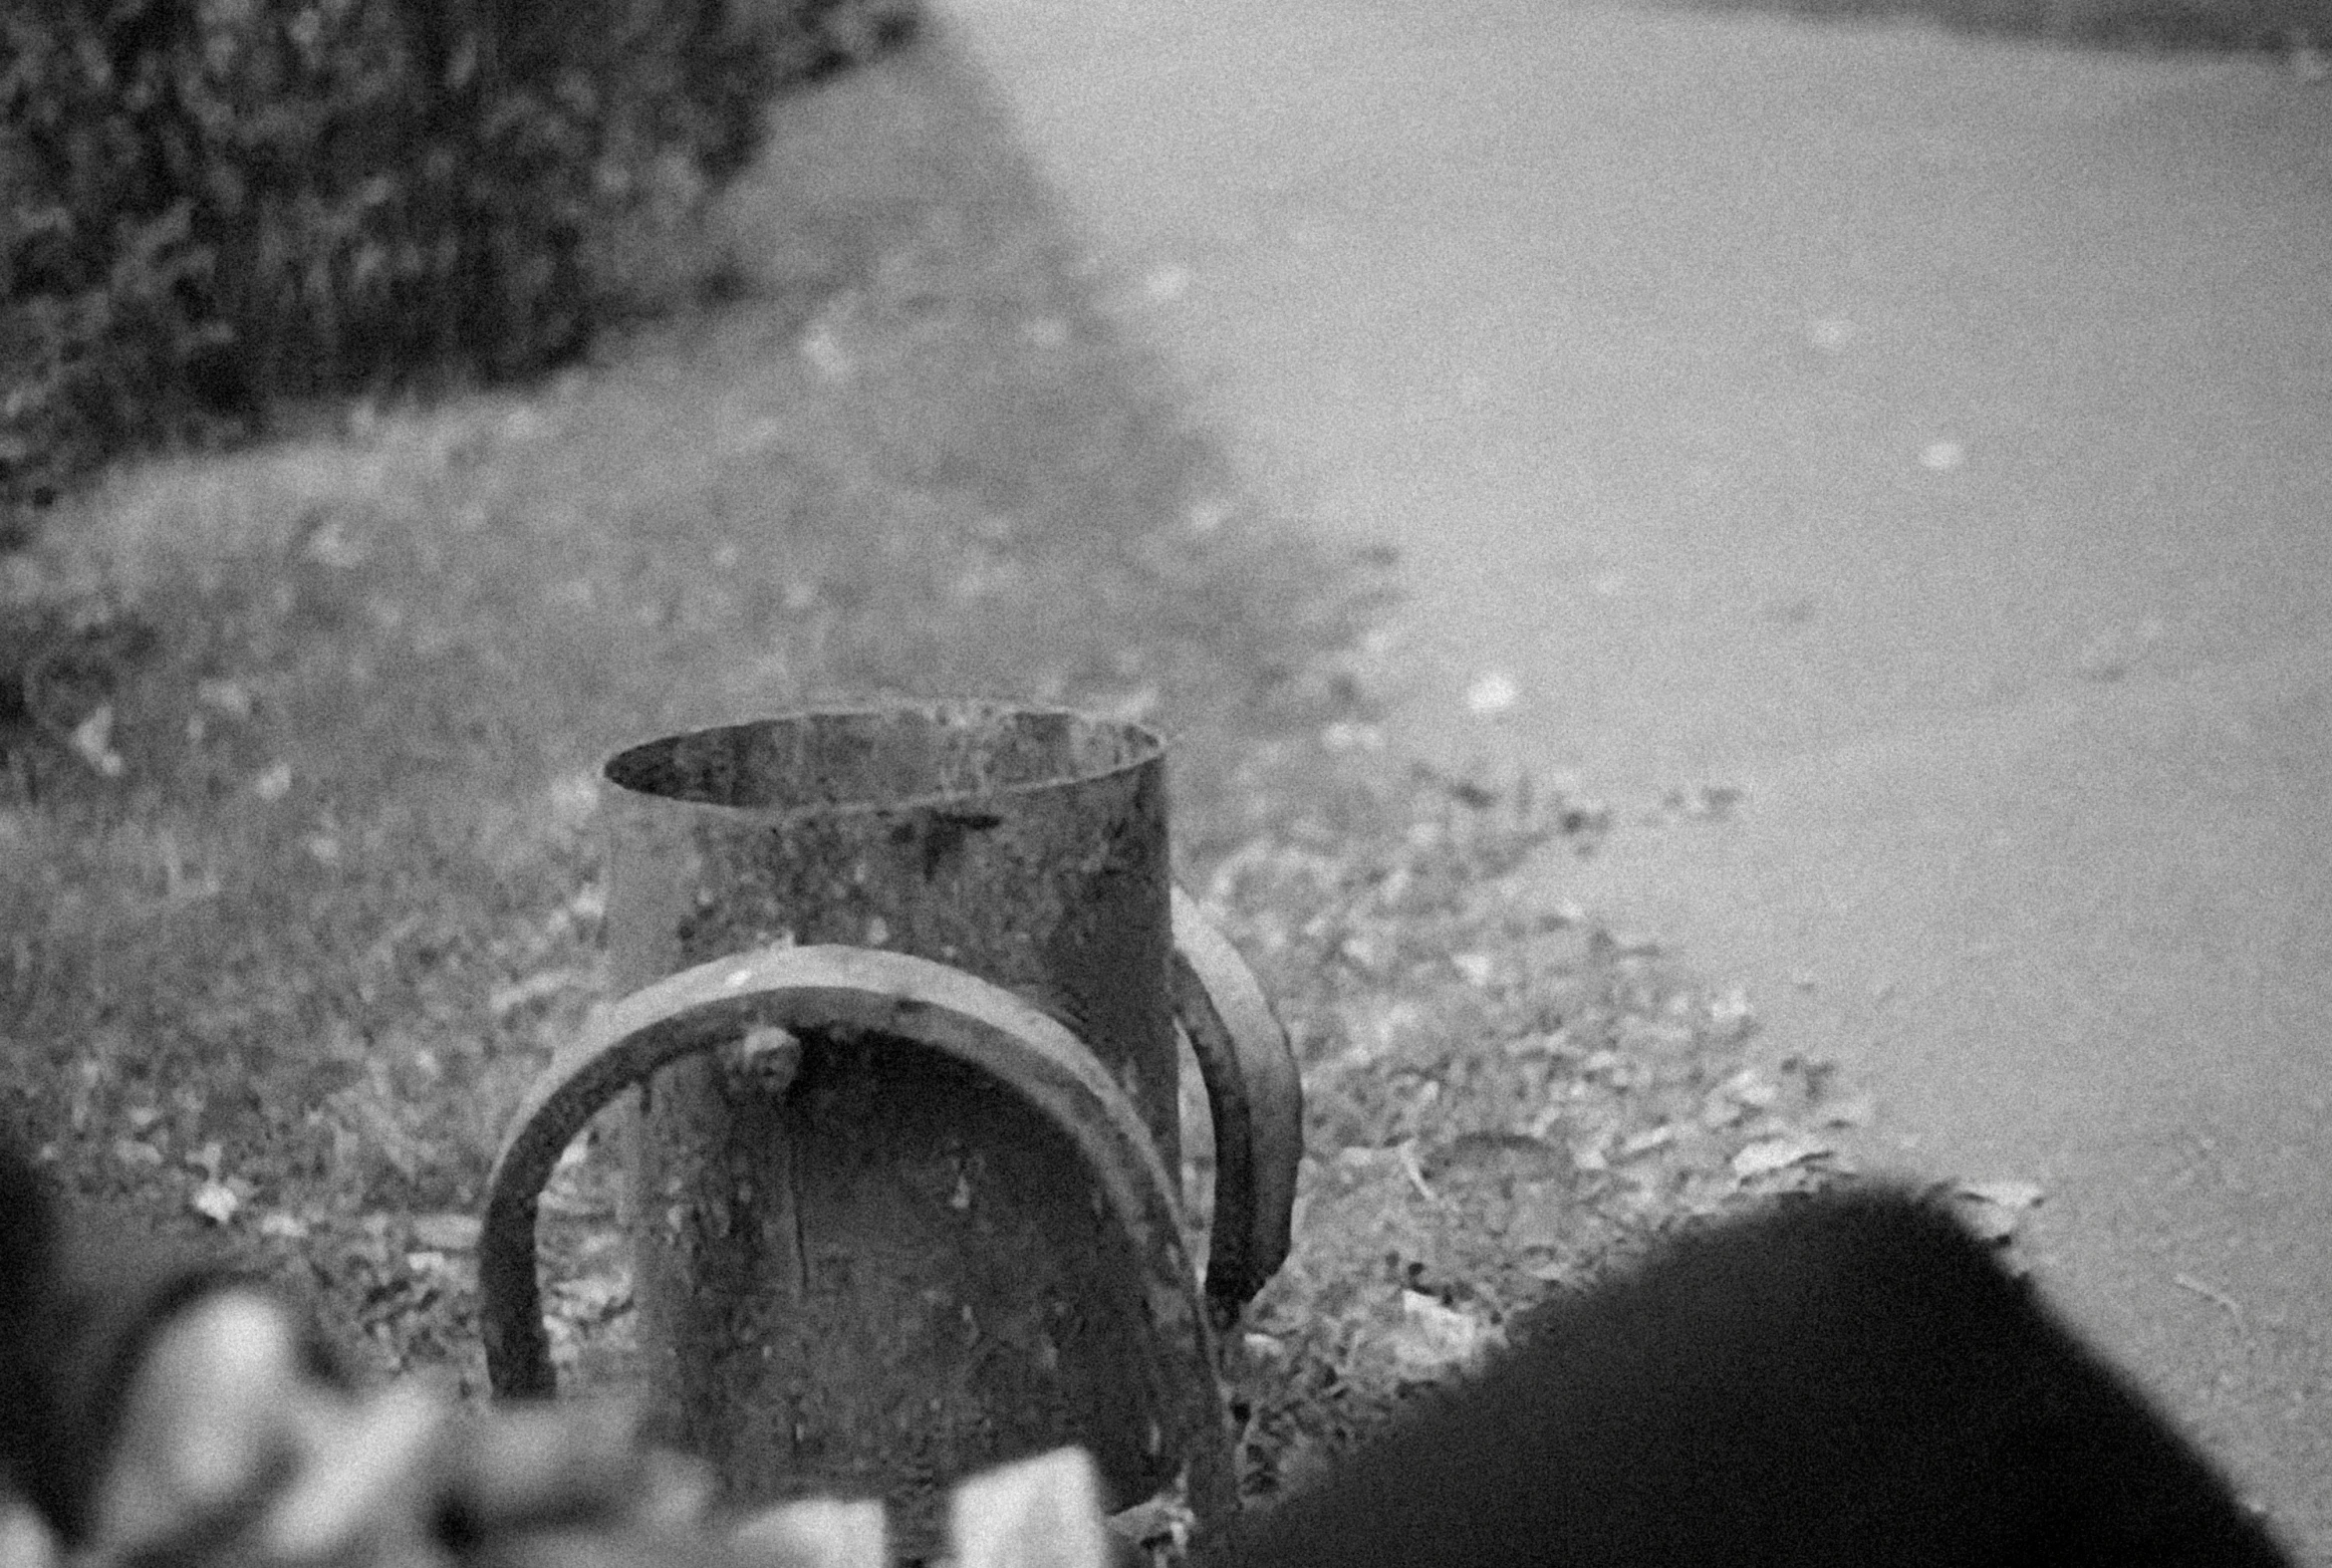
{"type": "Point", "coordinates": [218, 209]}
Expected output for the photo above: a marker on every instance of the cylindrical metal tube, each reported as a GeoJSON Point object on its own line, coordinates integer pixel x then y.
{"type": "Point", "coordinates": [863, 1267]}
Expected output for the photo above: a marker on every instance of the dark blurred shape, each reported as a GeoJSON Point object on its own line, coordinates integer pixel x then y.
{"type": "Point", "coordinates": [1845, 1381]}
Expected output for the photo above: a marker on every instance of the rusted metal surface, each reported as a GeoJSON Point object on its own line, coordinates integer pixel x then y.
{"type": "Point", "coordinates": [869, 1260]}
{"type": "Point", "coordinates": [1026, 845]}
{"type": "Point", "coordinates": [875, 997]}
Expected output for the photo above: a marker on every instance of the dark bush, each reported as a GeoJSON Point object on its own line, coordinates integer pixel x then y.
{"type": "Point", "coordinates": [216, 207]}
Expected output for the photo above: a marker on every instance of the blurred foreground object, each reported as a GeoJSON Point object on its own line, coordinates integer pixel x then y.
{"type": "Point", "coordinates": [160, 1412]}
{"type": "Point", "coordinates": [1841, 1379]}
{"type": "Point", "coordinates": [231, 1454]}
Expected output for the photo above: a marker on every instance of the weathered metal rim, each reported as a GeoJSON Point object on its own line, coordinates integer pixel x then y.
{"type": "Point", "coordinates": [1152, 744]}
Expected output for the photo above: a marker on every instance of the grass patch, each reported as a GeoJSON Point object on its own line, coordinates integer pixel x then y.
{"type": "Point", "coordinates": [298, 825]}
{"type": "Point", "coordinates": [1502, 1096]}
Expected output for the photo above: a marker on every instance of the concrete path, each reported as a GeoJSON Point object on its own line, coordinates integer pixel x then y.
{"type": "Point", "coordinates": [1931, 439]}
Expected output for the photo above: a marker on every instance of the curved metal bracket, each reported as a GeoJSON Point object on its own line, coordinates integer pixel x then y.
{"type": "Point", "coordinates": [880, 992]}
{"type": "Point", "coordinates": [1256, 1096]}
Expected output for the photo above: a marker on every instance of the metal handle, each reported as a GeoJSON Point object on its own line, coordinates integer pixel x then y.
{"type": "Point", "coordinates": [1256, 1097]}
{"type": "Point", "coordinates": [807, 990]}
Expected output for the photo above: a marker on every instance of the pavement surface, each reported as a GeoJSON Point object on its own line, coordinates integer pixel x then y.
{"type": "Point", "coordinates": [1928, 438]}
